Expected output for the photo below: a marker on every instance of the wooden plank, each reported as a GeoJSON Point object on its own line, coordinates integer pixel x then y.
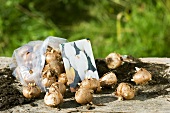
{"type": "Point", "coordinates": [156, 60]}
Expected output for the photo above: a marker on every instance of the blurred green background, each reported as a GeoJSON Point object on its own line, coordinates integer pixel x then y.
{"type": "Point", "coordinates": [135, 27]}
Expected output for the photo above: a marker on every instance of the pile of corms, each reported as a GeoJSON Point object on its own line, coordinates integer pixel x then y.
{"type": "Point", "coordinates": [55, 80]}
{"type": "Point", "coordinates": [126, 90]}
{"type": "Point", "coordinates": [123, 91]}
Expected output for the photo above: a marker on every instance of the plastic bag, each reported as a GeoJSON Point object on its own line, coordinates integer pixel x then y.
{"type": "Point", "coordinates": [29, 60]}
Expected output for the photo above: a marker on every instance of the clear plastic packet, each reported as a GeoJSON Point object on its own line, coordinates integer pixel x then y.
{"type": "Point", "coordinates": [29, 60]}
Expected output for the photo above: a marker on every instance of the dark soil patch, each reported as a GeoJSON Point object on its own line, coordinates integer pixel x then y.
{"type": "Point", "coordinates": [9, 95]}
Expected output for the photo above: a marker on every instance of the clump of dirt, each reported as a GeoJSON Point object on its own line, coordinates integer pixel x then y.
{"type": "Point", "coordinates": [9, 95]}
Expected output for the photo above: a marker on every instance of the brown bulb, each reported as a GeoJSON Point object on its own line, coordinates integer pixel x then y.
{"type": "Point", "coordinates": [53, 99]}
{"type": "Point", "coordinates": [57, 86]}
{"type": "Point", "coordinates": [62, 78]}
{"type": "Point", "coordinates": [91, 83]}
{"type": "Point", "coordinates": [113, 60]}
{"type": "Point", "coordinates": [125, 91]}
{"type": "Point", "coordinates": [84, 96]}
{"type": "Point", "coordinates": [48, 81]}
{"type": "Point", "coordinates": [50, 57]}
{"type": "Point", "coordinates": [31, 91]}
{"type": "Point", "coordinates": [142, 76]}
{"type": "Point", "coordinates": [108, 80]}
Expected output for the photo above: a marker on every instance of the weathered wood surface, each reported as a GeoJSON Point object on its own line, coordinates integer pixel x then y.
{"type": "Point", "coordinates": [142, 103]}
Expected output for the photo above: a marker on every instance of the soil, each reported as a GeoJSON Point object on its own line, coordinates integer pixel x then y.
{"type": "Point", "coordinates": [151, 97]}
{"type": "Point", "coordinates": [9, 95]}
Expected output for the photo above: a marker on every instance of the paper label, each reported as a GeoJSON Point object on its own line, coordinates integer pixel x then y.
{"type": "Point", "coordinates": [78, 61]}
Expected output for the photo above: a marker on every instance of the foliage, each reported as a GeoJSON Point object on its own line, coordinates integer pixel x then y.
{"type": "Point", "coordinates": [138, 28]}
{"type": "Point", "coordinates": [19, 26]}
